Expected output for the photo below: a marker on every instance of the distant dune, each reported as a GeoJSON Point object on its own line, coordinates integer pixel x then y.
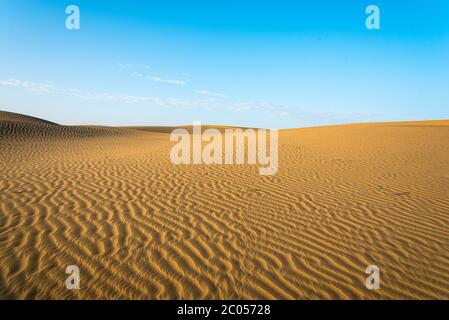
{"type": "Point", "coordinates": [17, 117]}
{"type": "Point", "coordinates": [18, 125]}
{"type": "Point", "coordinates": [110, 201]}
{"type": "Point", "coordinates": [189, 128]}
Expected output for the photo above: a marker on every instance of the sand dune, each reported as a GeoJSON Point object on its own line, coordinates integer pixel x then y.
{"type": "Point", "coordinates": [189, 128]}
{"type": "Point", "coordinates": [17, 117]}
{"type": "Point", "coordinates": [110, 201]}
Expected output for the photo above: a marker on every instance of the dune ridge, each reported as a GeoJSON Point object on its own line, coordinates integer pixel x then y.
{"type": "Point", "coordinates": [110, 201]}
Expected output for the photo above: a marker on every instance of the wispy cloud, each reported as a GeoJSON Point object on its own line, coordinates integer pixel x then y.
{"type": "Point", "coordinates": [209, 102]}
{"type": "Point", "coordinates": [137, 74]}
{"type": "Point", "coordinates": [302, 115]}
{"type": "Point", "coordinates": [169, 81]}
{"type": "Point", "coordinates": [112, 97]}
{"type": "Point", "coordinates": [28, 85]}
{"type": "Point", "coordinates": [210, 94]}
{"type": "Point", "coordinates": [136, 70]}
{"type": "Point", "coordinates": [148, 100]}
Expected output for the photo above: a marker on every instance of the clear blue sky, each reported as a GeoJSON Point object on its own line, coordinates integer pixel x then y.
{"type": "Point", "coordinates": [275, 64]}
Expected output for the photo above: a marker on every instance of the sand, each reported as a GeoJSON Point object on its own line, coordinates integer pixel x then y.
{"type": "Point", "coordinates": [110, 201]}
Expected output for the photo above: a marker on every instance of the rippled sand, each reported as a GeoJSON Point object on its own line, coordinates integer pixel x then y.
{"type": "Point", "coordinates": [110, 201]}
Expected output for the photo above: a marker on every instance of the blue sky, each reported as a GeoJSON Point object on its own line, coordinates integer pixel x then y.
{"type": "Point", "coordinates": [274, 64]}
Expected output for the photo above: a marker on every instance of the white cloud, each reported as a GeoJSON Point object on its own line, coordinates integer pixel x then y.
{"type": "Point", "coordinates": [304, 115]}
{"type": "Point", "coordinates": [169, 81]}
{"type": "Point", "coordinates": [210, 94]}
{"type": "Point", "coordinates": [152, 100]}
{"type": "Point", "coordinates": [132, 69]}
{"type": "Point", "coordinates": [137, 74]}
{"type": "Point", "coordinates": [28, 85]}
{"type": "Point", "coordinates": [124, 98]}
{"type": "Point", "coordinates": [112, 97]}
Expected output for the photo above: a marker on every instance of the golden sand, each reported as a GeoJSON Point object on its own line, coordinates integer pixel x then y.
{"type": "Point", "coordinates": [110, 201]}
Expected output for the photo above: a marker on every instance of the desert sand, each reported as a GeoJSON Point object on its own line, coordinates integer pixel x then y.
{"type": "Point", "coordinates": [110, 201]}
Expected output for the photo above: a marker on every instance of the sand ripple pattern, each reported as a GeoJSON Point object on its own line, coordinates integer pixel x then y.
{"type": "Point", "coordinates": [110, 201]}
